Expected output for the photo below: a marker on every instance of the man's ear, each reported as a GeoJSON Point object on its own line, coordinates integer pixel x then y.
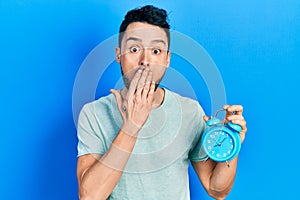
{"type": "Point", "coordinates": [118, 55]}
{"type": "Point", "coordinates": [168, 58]}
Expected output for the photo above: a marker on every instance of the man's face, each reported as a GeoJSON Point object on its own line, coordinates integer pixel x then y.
{"type": "Point", "coordinates": [143, 45]}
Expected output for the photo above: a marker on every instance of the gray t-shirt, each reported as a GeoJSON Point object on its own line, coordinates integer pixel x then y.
{"type": "Point", "coordinates": [158, 166]}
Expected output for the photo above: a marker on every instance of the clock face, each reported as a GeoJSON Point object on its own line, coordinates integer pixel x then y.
{"type": "Point", "coordinates": [219, 145]}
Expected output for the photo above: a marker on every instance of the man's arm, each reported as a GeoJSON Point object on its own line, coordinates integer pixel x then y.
{"type": "Point", "coordinates": [98, 175]}
{"type": "Point", "coordinates": [216, 177]}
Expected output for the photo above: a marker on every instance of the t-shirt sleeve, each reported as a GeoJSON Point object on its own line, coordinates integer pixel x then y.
{"type": "Point", "coordinates": [88, 139]}
{"type": "Point", "coordinates": [197, 153]}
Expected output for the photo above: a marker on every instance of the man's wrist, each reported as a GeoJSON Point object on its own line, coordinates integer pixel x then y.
{"type": "Point", "coordinates": [131, 129]}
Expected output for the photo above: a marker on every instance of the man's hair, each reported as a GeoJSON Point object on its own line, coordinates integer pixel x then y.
{"type": "Point", "coordinates": [148, 14]}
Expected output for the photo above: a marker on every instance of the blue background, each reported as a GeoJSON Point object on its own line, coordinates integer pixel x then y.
{"type": "Point", "coordinates": [254, 43]}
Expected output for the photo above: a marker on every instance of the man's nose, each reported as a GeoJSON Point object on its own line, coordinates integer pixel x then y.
{"type": "Point", "coordinates": [145, 57]}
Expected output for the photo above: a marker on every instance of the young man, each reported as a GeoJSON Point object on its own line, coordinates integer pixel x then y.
{"type": "Point", "coordinates": [136, 143]}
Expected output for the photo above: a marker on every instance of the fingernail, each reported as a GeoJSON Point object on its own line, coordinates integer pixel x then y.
{"type": "Point", "coordinates": [225, 106]}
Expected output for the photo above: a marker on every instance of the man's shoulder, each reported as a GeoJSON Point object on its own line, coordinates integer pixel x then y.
{"type": "Point", "coordinates": [185, 101]}
{"type": "Point", "coordinates": [102, 103]}
{"type": "Point", "coordinates": [189, 106]}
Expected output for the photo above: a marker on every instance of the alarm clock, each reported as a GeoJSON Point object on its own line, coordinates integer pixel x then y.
{"type": "Point", "coordinates": [221, 142]}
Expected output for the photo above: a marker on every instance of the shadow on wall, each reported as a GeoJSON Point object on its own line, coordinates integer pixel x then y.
{"type": "Point", "coordinates": [57, 164]}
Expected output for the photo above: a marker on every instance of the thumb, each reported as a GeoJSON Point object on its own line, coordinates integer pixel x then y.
{"type": "Point", "coordinates": [117, 96]}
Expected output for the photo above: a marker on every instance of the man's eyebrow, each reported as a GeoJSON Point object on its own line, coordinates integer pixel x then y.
{"type": "Point", "coordinates": [140, 40]}
{"type": "Point", "coordinates": [159, 41]}
{"type": "Point", "coordinates": [134, 39]}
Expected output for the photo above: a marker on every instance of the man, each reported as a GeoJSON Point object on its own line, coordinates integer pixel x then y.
{"type": "Point", "coordinates": [136, 143]}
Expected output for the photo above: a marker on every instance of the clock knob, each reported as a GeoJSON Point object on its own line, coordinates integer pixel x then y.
{"type": "Point", "coordinates": [235, 127]}
{"type": "Point", "coordinates": [212, 121]}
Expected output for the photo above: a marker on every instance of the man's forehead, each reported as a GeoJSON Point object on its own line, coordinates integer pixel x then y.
{"type": "Point", "coordinates": [145, 35]}
{"type": "Point", "coordinates": [145, 32]}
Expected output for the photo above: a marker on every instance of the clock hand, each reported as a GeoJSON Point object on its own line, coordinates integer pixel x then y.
{"type": "Point", "coordinates": [220, 143]}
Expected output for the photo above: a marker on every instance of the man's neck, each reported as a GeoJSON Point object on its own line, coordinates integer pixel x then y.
{"type": "Point", "coordinates": [159, 96]}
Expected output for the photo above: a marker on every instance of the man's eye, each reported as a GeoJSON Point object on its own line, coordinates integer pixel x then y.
{"type": "Point", "coordinates": [134, 49]}
{"type": "Point", "coordinates": [156, 51]}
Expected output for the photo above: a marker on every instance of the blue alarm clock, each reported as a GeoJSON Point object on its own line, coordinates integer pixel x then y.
{"type": "Point", "coordinates": [221, 142]}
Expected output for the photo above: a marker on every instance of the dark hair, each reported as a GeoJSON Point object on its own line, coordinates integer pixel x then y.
{"type": "Point", "coordinates": [148, 14]}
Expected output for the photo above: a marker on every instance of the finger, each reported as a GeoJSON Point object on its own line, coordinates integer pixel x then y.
{"type": "Point", "coordinates": [147, 86]}
{"type": "Point", "coordinates": [118, 97]}
{"type": "Point", "coordinates": [134, 82]}
{"type": "Point", "coordinates": [225, 107]}
{"type": "Point", "coordinates": [235, 117]}
{"type": "Point", "coordinates": [143, 78]}
{"type": "Point", "coordinates": [141, 84]}
{"type": "Point", "coordinates": [242, 123]}
{"type": "Point", "coordinates": [206, 118]}
{"type": "Point", "coordinates": [235, 108]}
{"type": "Point", "coordinates": [244, 128]}
{"type": "Point", "coordinates": [151, 92]}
